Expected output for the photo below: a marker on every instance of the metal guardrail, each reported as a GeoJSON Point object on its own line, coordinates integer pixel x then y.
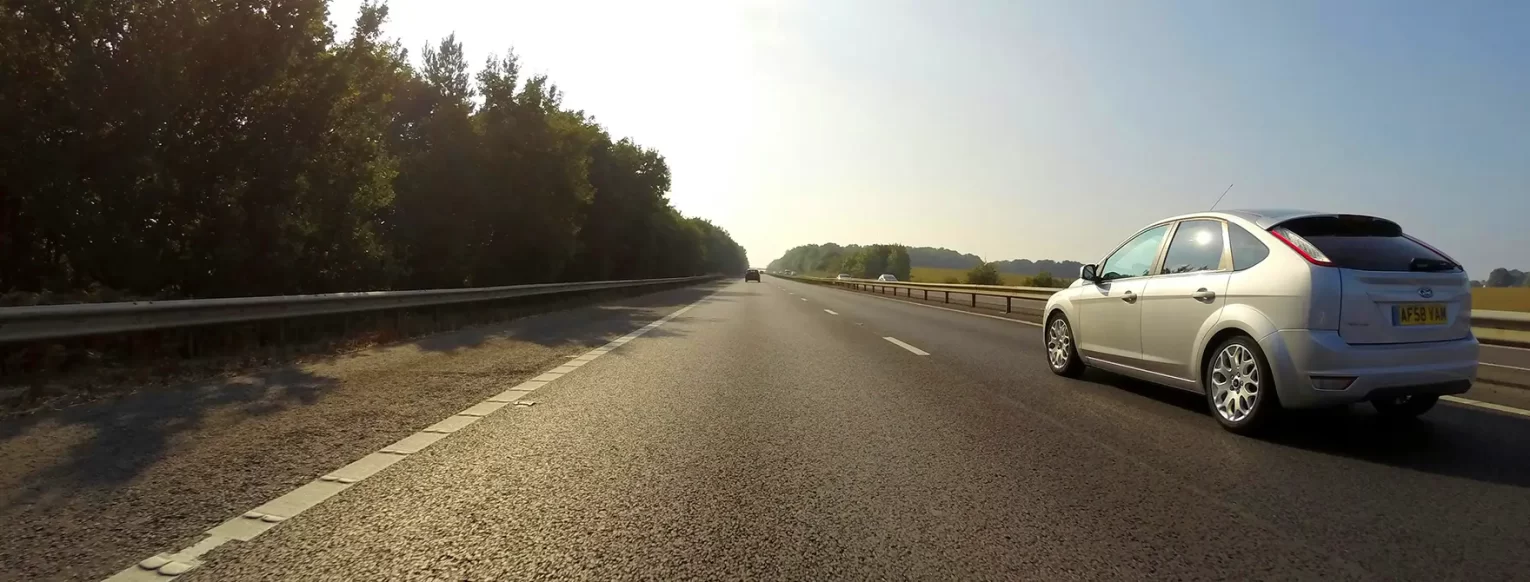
{"type": "Point", "coordinates": [1008, 294]}
{"type": "Point", "coordinates": [1481, 318]}
{"type": "Point", "coordinates": [60, 321]}
{"type": "Point", "coordinates": [1501, 319]}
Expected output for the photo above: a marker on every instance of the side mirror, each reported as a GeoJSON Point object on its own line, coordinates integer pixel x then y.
{"type": "Point", "coordinates": [1087, 273]}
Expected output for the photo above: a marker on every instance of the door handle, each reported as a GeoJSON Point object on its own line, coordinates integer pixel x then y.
{"type": "Point", "coordinates": [1129, 297]}
{"type": "Point", "coordinates": [1202, 293]}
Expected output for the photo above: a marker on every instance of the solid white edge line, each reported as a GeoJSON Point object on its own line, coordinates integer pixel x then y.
{"type": "Point", "coordinates": [1516, 348]}
{"type": "Point", "coordinates": [169, 566]}
{"type": "Point", "coordinates": [1487, 405]}
{"type": "Point", "coordinates": [831, 312]}
{"type": "Point", "coordinates": [899, 343]}
{"type": "Point", "coordinates": [1505, 366]}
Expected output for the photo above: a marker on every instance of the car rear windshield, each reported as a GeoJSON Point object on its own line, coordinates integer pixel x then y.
{"type": "Point", "coordinates": [1367, 243]}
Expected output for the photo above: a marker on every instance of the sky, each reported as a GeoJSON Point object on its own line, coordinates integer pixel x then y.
{"type": "Point", "coordinates": [1040, 130]}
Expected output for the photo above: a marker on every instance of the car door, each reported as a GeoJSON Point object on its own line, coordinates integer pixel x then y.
{"type": "Point", "coordinates": [1109, 313]}
{"type": "Point", "coordinates": [1188, 288]}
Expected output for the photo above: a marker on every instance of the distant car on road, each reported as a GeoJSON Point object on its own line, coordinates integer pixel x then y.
{"type": "Point", "coordinates": [752, 275]}
{"type": "Point", "coordinates": [842, 277]}
{"type": "Point", "coordinates": [1264, 310]}
{"type": "Point", "coordinates": [887, 278]}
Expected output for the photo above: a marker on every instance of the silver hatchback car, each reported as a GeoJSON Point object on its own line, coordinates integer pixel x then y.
{"type": "Point", "coordinates": [1268, 309]}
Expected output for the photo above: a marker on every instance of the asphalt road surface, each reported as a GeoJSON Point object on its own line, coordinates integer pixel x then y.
{"type": "Point", "coordinates": [1508, 366]}
{"type": "Point", "coordinates": [788, 431]}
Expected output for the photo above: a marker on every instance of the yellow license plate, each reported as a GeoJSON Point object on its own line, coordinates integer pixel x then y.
{"type": "Point", "coordinates": [1419, 314]}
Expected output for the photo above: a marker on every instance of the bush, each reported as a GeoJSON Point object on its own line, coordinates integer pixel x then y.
{"type": "Point", "coordinates": [984, 274]}
{"type": "Point", "coordinates": [952, 280]}
{"type": "Point", "coordinates": [1044, 279]}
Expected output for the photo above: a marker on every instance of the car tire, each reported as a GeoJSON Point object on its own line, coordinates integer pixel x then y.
{"type": "Point", "coordinates": [1408, 406]}
{"type": "Point", "coordinates": [1239, 387]}
{"type": "Point", "coordinates": [1062, 351]}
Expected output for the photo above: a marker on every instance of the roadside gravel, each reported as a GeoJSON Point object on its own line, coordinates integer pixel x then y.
{"type": "Point", "coordinates": [91, 489]}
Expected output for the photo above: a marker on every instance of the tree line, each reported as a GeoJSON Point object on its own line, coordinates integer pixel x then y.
{"type": "Point", "coordinates": [1502, 277]}
{"type": "Point", "coordinates": [866, 262]}
{"type": "Point", "coordinates": [201, 148]}
{"type": "Point", "coordinates": [898, 260]}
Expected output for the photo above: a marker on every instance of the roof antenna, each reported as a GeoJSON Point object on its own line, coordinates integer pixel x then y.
{"type": "Point", "coordinates": [1219, 198]}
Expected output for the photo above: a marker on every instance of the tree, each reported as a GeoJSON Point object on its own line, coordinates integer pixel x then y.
{"type": "Point", "coordinates": [1498, 278]}
{"type": "Point", "coordinates": [898, 263]}
{"type": "Point", "coordinates": [438, 220]}
{"type": "Point", "coordinates": [176, 148]}
{"type": "Point", "coordinates": [854, 265]}
{"type": "Point", "coordinates": [1502, 277]}
{"type": "Point", "coordinates": [629, 183]}
{"type": "Point", "coordinates": [984, 274]}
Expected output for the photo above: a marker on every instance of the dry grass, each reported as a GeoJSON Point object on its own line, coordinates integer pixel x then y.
{"type": "Point", "coordinates": [1501, 298]}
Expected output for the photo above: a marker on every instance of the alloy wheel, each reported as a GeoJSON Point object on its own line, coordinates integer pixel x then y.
{"type": "Point", "coordinates": [1235, 382]}
{"type": "Point", "coordinates": [1059, 343]}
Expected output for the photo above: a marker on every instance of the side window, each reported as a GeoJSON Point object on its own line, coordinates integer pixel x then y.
{"type": "Point", "coordinates": [1136, 257]}
{"type": "Point", "coordinates": [1197, 246]}
{"type": "Point", "coordinates": [1247, 251]}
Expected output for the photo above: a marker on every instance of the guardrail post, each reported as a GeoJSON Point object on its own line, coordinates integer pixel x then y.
{"type": "Point", "coordinates": [926, 294]}
{"type": "Point", "coordinates": [1007, 304]}
{"type": "Point", "coordinates": [974, 300]}
{"type": "Point", "coordinates": [948, 297]}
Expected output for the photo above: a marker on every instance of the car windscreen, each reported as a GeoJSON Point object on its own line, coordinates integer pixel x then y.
{"type": "Point", "coordinates": [1367, 243]}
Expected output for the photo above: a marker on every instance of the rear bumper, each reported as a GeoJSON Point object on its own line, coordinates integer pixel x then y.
{"type": "Point", "coordinates": [1379, 370]}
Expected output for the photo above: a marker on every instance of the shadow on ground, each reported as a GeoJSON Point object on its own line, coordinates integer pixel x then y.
{"type": "Point", "coordinates": [551, 329]}
{"type": "Point", "coordinates": [1455, 441]}
{"type": "Point", "coordinates": [124, 436]}
{"type": "Point", "coordinates": [101, 484]}
{"type": "Point", "coordinates": [129, 432]}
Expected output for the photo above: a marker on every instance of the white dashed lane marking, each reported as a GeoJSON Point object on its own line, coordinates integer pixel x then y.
{"type": "Point", "coordinates": [830, 312]}
{"type": "Point", "coordinates": [1458, 400]}
{"type": "Point", "coordinates": [905, 346]}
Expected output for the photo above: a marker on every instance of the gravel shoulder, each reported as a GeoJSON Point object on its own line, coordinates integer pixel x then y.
{"type": "Point", "coordinates": [88, 490]}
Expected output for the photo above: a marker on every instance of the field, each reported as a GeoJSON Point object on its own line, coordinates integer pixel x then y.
{"type": "Point", "coordinates": [1501, 298]}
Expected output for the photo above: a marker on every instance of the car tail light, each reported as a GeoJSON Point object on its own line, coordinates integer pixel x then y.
{"type": "Point", "coordinates": [1302, 246]}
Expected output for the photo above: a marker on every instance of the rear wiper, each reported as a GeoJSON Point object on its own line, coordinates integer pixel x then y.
{"type": "Point", "coordinates": [1431, 265]}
